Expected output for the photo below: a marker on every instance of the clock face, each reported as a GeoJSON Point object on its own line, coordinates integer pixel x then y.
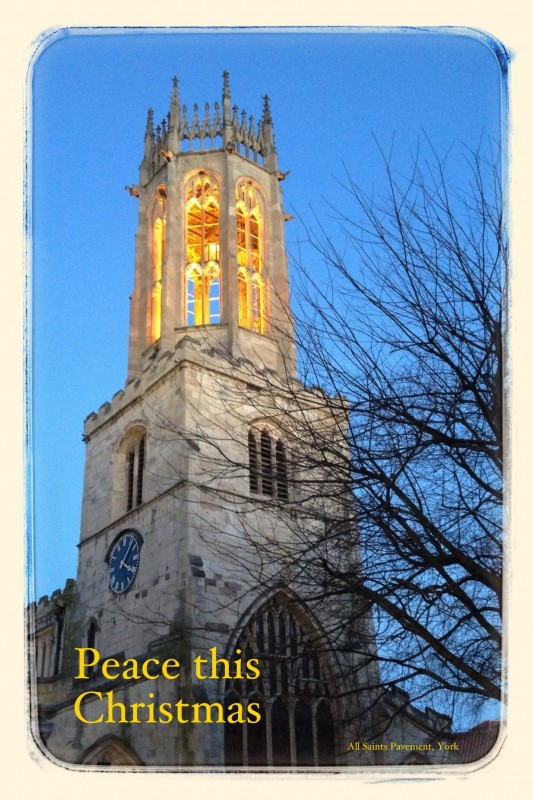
{"type": "Point", "coordinates": [124, 563]}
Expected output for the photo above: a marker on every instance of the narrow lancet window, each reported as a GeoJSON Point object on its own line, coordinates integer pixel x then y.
{"type": "Point", "coordinates": [92, 632]}
{"type": "Point", "coordinates": [281, 471]}
{"type": "Point", "coordinates": [135, 458]}
{"type": "Point", "coordinates": [158, 258]}
{"type": "Point", "coordinates": [130, 471]}
{"type": "Point", "coordinates": [203, 251]}
{"type": "Point", "coordinates": [267, 464]}
{"type": "Point", "coordinates": [252, 460]}
{"type": "Point", "coordinates": [244, 293]}
{"type": "Point", "coordinates": [140, 470]}
{"type": "Point", "coordinates": [250, 258]}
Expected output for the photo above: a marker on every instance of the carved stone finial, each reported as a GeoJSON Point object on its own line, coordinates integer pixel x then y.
{"type": "Point", "coordinates": [269, 148]}
{"type": "Point", "coordinates": [174, 118]}
{"type": "Point", "coordinates": [226, 90]}
{"type": "Point", "coordinates": [150, 123]}
{"type": "Point", "coordinates": [148, 140]}
{"type": "Point", "coordinates": [174, 99]}
{"type": "Point", "coordinates": [226, 109]}
{"type": "Point", "coordinates": [267, 114]}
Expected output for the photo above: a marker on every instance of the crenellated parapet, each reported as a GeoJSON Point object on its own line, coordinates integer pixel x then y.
{"type": "Point", "coordinates": [46, 605]}
{"type": "Point", "coordinates": [46, 621]}
{"type": "Point", "coordinates": [220, 127]}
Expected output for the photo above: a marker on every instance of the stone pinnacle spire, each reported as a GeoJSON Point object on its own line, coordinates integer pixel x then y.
{"type": "Point", "coordinates": [174, 102]}
{"type": "Point", "coordinates": [226, 110]}
{"type": "Point", "coordinates": [271, 158]}
{"type": "Point", "coordinates": [174, 118]}
{"type": "Point", "coordinates": [267, 114]}
{"type": "Point", "coordinates": [149, 135]}
{"type": "Point", "coordinates": [226, 90]}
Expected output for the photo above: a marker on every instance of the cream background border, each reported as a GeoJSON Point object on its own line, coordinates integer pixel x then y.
{"type": "Point", "coordinates": [512, 770]}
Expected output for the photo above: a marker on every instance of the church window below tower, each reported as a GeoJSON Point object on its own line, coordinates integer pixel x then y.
{"type": "Point", "coordinates": [203, 251]}
{"type": "Point", "coordinates": [135, 473]}
{"type": "Point", "coordinates": [293, 691]}
{"type": "Point", "coordinates": [44, 652]}
{"type": "Point", "coordinates": [267, 464]}
{"type": "Point", "coordinates": [250, 258]}
{"type": "Point", "coordinates": [92, 634]}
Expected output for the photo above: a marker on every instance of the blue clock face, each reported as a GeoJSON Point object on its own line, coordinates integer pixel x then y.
{"type": "Point", "coordinates": [124, 563]}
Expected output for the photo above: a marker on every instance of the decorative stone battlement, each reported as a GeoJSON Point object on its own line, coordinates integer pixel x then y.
{"type": "Point", "coordinates": [193, 345]}
{"type": "Point", "coordinates": [58, 599]}
{"type": "Point", "coordinates": [398, 701]}
{"type": "Point", "coordinates": [219, 128]}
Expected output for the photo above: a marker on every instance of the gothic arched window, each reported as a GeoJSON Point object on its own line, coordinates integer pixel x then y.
{"type": "Point", "coordinates": [267, 464]}
{"type": "Point", "coordinates": [44, 647]}
{"type": "Point", "coordinates": [92, 635]}
{"type": "Point", "coordinates": [129, 472]}
{"type": "Point", "coordinates": [203, 250]}
{"type": "Point", "coordinates": [158, 227]}
{"type": "Point", "coordinates": [296, 703]}
{"type": "Point", "coordinates": [135, 473]}
{"type": "Point", "coordinates": [251, 289]}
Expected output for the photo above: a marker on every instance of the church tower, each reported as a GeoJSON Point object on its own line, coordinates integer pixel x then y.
{"type": "Point", "coordinates": [191, 485]}
{"type": "Point", "coordinates": [210, 243]}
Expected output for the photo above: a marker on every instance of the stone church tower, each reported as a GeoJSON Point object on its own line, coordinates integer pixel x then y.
{"type": "Point", "coordinates": [192, 485]}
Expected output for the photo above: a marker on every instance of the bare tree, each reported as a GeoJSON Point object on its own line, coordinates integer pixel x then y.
{"type": "Point", "coordinates": [395, 463]}
{"type": "Point", "coordinates": [408, 330]}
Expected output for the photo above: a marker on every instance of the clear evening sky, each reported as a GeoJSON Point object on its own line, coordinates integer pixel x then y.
{"type": "Point", "coordinates": [333, 94]}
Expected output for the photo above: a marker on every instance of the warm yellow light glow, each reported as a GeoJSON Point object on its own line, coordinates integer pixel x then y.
{"type": "Point", "coordinates": [203, 294]}
{"type": "Point", "coordinates": [249, 234]}
{"type": "Point", "coordinates": [258, 304]}
{"type": "Point", "coordinates": [156, 312]}
{"type": "Point", "coordinates": [243, 290]}
{"type": "Point", "coordinates": [203, 251]}
{"type": "Point", "coordinates": [158, 259]}
{"type": "Point", "coordinates": [159, 245]}
{"type": "Point", "coordinates": [212, 252]}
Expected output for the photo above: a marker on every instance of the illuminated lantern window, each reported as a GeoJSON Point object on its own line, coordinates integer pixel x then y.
{"type": "Point", "coordinates": [250, 258]}
{"type": "Point", "coordinates": [258, 304]}
{"type": "Point", "coordinates": [158, 258]}
{"type": "Point", "coordinates": [203, 251]}
{"type": "Point", "coordinates": [244, 297]}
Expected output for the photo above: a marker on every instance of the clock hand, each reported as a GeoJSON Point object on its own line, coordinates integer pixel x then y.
{"type": "Point", "coordinates": [123, 562]}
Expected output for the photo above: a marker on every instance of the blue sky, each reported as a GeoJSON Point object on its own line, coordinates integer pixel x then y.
{"type": "Point", "coordinates": [333, 95]}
